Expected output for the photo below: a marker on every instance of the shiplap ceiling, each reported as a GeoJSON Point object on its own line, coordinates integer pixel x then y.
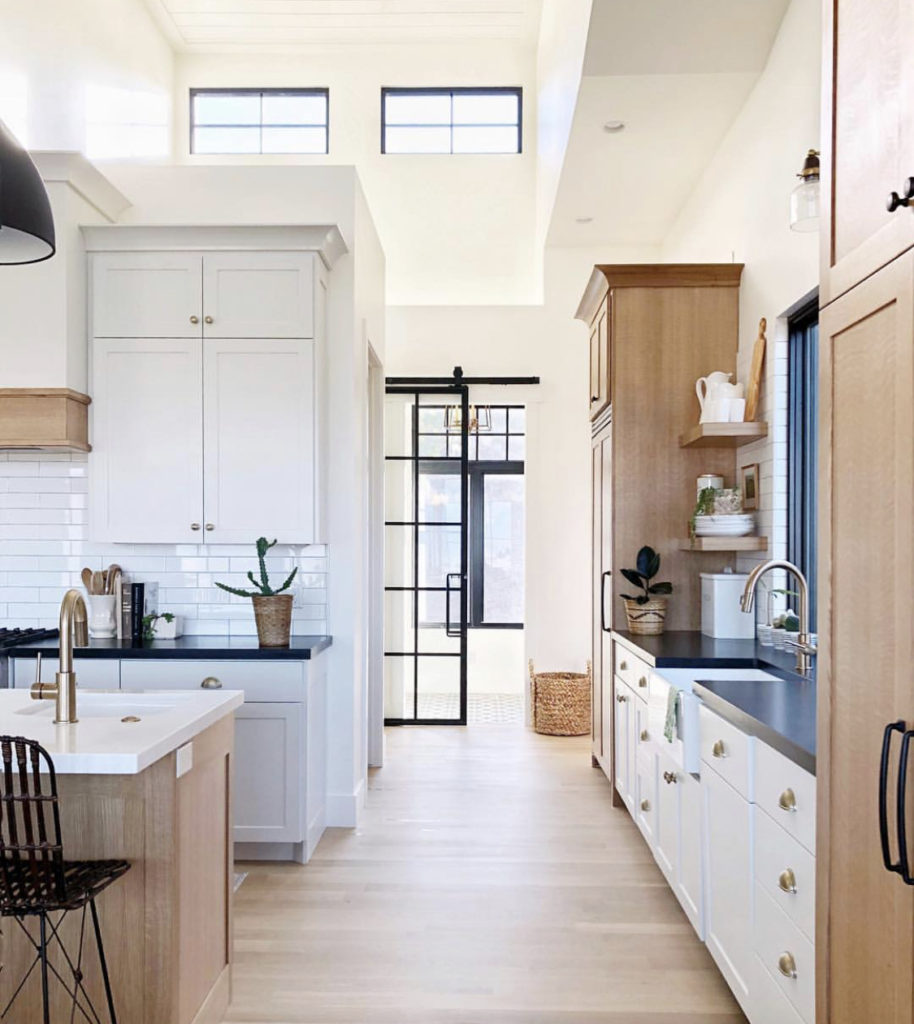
{"type": "Point", "coordinates": [194, 25]}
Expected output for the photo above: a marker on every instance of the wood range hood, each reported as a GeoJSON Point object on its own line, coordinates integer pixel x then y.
{"type": "Point", "coordinates": [44, 419]}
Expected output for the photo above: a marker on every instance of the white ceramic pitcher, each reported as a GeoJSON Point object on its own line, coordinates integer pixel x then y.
{"type": "Point", "coordinates": [711, 390]}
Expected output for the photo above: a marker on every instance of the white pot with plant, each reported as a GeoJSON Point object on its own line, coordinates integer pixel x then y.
{"type": "Point", "coordinates": [272, 608]}
{"type": "Point", "coordinates": [646, 611]}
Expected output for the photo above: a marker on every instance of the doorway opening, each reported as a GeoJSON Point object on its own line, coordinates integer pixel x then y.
{"type": "Point", "coordinates": [454, 559]}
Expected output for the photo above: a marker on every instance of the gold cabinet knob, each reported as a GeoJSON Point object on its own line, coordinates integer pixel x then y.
{"type": "Point", "coordinates": [195, 319]}
{"type": "Point", "coordinates": [621, 698]}
{"type": "Point", "coordinates": [787, 965]}
{"type": "Point", "coordinates": [210, 526]}
{"type": "Point", "coordinates": [787, 882]}
{"type": "Point", "coordinates": [195, 526]}
{"type": "Point", "coordinates": [787, 801]}
{"type": "Point", "coordinates": [207, 319]}
{"type": "Point", "coordinates": [211, 683]}
{"type": "Point", "coordinates": [719, 750]}
{"type": "Point", "coordinates": [645, 805]}
{"type": "Point", "coordinates": [642, 682]}
{"type": "Point", "coordinates": [644, 736]}
{"type": "Point", "coordinates": [669, 778]}
{"type": "Point", "coordinates": [623, 665]}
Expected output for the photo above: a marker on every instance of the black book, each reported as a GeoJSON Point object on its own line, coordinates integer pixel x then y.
{"type": "Point", "coordinates": [137, 608]}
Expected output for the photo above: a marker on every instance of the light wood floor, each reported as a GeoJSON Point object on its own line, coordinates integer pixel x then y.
{"type": "Point", "coordinates": [491, 883]}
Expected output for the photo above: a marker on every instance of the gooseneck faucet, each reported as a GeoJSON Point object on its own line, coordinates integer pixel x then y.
{"type": "Point", "coordinates": [803, 648]}
{"type": "Point", "coordinates": [73, 630]}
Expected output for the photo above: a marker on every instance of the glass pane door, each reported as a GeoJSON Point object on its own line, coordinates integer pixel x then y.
{"type": "Point", "coordinates": [425, 555]}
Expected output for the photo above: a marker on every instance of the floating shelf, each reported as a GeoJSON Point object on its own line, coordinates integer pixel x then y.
{"type": "Point", "coordinates": [722, 435]}
{"type": "Point", "coordinates": [725, 544]}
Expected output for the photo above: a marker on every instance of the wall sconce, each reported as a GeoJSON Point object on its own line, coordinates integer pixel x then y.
{"type": "Point", "coordinates": [804, 199]}
{"type": "Point", "coordinates": [26, 224]}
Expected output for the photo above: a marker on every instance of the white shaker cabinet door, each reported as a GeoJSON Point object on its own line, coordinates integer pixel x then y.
{"type": "Point", "coordinates": [147, 295]}
{"type": "Point", "coordinates": [269, 773]}
{"type": "Point", "coordinates": [259, 467]}
{"type": "Point", "coordinates": [258, 295]}
{"type": "Point", "coordinates": [147, 462]}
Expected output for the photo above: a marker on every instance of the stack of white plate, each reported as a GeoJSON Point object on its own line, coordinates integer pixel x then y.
{"type": "Point", "coordinates": [738, 524]}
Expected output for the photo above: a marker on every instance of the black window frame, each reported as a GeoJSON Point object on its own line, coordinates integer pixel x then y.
{"type": "Point", "coordinates": [495, 90]}
{"type": "Point", "coordinates": [802, 445]}
{"type": "Point", "coordinates": [254, 91]}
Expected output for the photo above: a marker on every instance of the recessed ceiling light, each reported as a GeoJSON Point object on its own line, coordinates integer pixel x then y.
{"type": "Point", "coordinates": [612, 127]}
{"type": "Point", "coordinates": [583, 220]}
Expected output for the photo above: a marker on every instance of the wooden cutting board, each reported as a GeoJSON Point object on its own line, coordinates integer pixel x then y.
{"type": "Point", "coordinates": [755, 373]}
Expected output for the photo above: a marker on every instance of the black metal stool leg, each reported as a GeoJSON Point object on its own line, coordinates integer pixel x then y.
{"type": "Point", "coordinates": [103, 962]}
{"type": "Point", "coordinates": [43, 954]}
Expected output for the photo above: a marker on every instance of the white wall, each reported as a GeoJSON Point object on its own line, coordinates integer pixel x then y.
{"type": "Point", "coordinates": [739, 211]}
{"type": "Point", "coordinates": [455, 229]}
{"type": "Point", "coordinates": [94, 76]}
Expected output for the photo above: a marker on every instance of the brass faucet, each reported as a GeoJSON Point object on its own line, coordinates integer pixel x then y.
{"type": "Point", "coordinates": [73, 630]}
{"type": "Point", "coordinates": [804, 649]}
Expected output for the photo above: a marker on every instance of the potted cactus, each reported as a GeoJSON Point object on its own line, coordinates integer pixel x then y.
{"type": "Point", "coordinates": [272, 608]}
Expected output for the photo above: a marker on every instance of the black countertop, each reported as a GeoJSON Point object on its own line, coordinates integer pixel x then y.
{"type": "Point", "coordinates": [242, 648]}
{"type": "Point", "coordinates": [780, 712]}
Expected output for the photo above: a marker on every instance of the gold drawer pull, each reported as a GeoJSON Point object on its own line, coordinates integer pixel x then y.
{"type": "Point", "coordinates": [623, 666]}
{"type": "Point", "coordinates": [669, 778]}
{"type": "Point", "coordinates": [787, 882]}
{"type": "Point", "coordinates": [787, 801]}
{"type": "Point", "coordinates": [719, 750]}
{"type": "Point", "coordinates": [787, 965]}
{"type": "Point", "coordinates": [645, 805]}
{"type": "Point", "coordinates": [211, 683]}
{"type": "Point", "coordinates": [644, 736]}
{"type": "Point", "coordinates": [642, 682]}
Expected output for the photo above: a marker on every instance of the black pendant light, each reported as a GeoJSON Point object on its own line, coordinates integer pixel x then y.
{"type": "Point", "coordinates": [26, 223]}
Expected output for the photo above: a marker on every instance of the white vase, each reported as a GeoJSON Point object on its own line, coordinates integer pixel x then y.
{"type": "Point", "coordinates": [101, 616]}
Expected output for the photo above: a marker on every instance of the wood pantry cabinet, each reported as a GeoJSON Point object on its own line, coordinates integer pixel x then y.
{"type": "Point", "coordinates": [864, 912]}
{"type": "Point", "coordinates": [657, 329]}
{"type": "Point", "coordinates": [204, 372]}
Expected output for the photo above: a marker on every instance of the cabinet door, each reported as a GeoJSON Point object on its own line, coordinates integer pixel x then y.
{"type": "Point", "coordinates": [865, 914]}
{"type": "Point", "coordinates": [600, 362]}
{"type": "Point", "coordinates": [599, 714]}
{"type": "Point", "coordinates": [666, 849]}
{"type": "Point", "coordinates": [259, 466]}
{"type": "Point", "coordinates": [728, 877]}
{"type": "Point", "coordinates": [269, 774]}
{"type": "Point", "coordinates": [623, 710]}
{"type": "Point", "coordinates": [869, 106]}
{"type": "Point", "coordinates": [689, 887]}
{"type": "Point", "coordinates": [646, 798]}
{"type": "Point", "coordinates": [258, 295]}
{"type": "Point", "coordinates": [147, 295]}
{"type": "Point", "coordinates": [146, 466]}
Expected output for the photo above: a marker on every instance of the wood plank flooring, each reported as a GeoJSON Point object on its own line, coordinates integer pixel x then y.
{"type": "Point", "coordinates": [491, 883]}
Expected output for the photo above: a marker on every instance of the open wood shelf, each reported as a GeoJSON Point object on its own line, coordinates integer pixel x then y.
{"type": "Point", "coordinates": [722, 435]}
{"type": "Point", "coordinates": [725, 544]}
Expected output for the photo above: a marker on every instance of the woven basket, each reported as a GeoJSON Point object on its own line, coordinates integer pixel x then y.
{"type": "Point", "coordinates": [561, 702]}
{"type": "Point", "coordinates": [647, 619]}
{"type": "Point", "coordinates": [273, 616]}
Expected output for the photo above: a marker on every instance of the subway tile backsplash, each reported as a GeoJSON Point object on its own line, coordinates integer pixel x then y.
{"type": "Point", "coordinates": [44, 546]}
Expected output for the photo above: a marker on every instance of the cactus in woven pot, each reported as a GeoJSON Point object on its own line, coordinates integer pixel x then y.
{"type": "Point", "coordinates": [646, 611]}
{"type": "Point", "coordinates": [272, 607]}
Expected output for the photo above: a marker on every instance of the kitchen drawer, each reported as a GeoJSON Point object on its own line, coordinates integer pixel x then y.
{"type": "Point", "coordinates": [643, 736]}
{"type": "Point", "coordinates": [91, 673]}
{"type": "Point", "coordinates": [646, 798]}
{"type": "Point", "coordinates": [777, 937]}
{"type": "Point", "coordinates": [782, 863]}
{"type": "Point", "coordinates": [769, 1004]}
{"type": "Point", "coordinates": [261, 681]}
{"type": "Point", "coordinates": [632, 670]}
{"type": "Point", "coordinates": [727, 750]}
{"type": "Point", "coordinates": [787, 793]}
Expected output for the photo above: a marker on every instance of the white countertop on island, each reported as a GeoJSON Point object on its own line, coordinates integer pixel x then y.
{"type": "Point", "coordinates": [101, 743]}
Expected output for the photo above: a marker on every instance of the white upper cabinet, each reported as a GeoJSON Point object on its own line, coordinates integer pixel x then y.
{"type": "Point", "coordinates": [259, 439]}
{"type": "Point", "coordinates": [147, 295]}
{"type": "Point", "coordinates": [147, 459]}
{"type": "Point", "coordinates": [258, 295]}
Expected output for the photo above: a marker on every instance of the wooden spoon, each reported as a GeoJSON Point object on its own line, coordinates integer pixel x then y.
{"type": "Point", "coordinates": [87, 579]}
{"type": "Point", "coordinates": [111, 576]}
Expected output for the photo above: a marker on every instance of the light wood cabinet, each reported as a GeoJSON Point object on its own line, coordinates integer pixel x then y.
{"type": "Point", "coordinates": [865, 914]}
{"type": "Point", "coordinates": [601, 359]}
{"type": "Point", "coordinates": [601, 652]}
{"type": "Point", "coordinates": [868, 94]}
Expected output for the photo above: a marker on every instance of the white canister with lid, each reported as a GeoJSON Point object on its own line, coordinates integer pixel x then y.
{"type": "Point", "coordinates": [709, 480]}
{"type": "Point", "coordinates": [721, 615]}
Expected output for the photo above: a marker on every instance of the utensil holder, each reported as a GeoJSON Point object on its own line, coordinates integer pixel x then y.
{"type": "Point", "coordinates": [101, 616]}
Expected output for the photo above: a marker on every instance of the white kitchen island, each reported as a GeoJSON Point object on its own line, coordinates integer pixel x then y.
{"type": "Point", "coordinates": [145, 777]}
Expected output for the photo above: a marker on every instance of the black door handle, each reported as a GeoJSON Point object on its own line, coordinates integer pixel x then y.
{"type": "Point", "coordinates": [448, 628]}
{"type": "Point", "coordinates": [603, 625]}
{"type": "Point", "coordinates": [901, 808]}
{"type": "Point", "coordinates": [895, 200]}
{"type": "Point", "coordinates": [898, 726]}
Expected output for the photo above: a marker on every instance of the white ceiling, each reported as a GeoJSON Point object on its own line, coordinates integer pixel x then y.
{"type": "Point", "coordinates": [677, 72]}
{"type": "Point", "coordinates": [228, 25]}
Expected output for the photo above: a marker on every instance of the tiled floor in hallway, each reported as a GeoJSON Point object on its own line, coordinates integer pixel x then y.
{"type": "Point", "coordinates": [490, 883]}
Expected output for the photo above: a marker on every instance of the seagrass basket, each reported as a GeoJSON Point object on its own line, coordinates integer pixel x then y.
{"type": "Point", "coordinates": [273, 615]}
{"type": "Point", "coordinates": [560, 702]}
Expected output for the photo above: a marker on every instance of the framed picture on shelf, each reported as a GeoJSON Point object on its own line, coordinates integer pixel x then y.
{"type": "Point", "coordinates": [748, 482]}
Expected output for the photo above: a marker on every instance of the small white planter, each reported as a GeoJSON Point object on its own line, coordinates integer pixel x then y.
{"type": "Point", "coordinates": [163, 630]}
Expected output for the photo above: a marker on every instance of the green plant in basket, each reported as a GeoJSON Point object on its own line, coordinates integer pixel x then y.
{"type": "Point", "coordinates": [647, 566]}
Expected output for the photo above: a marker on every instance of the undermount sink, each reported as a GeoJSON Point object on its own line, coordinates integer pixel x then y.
{"type": "Point", "coordinates": [113, 705]}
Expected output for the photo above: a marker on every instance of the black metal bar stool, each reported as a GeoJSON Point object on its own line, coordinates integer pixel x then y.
{"type": "Point", "coordinates": [35, 880]}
